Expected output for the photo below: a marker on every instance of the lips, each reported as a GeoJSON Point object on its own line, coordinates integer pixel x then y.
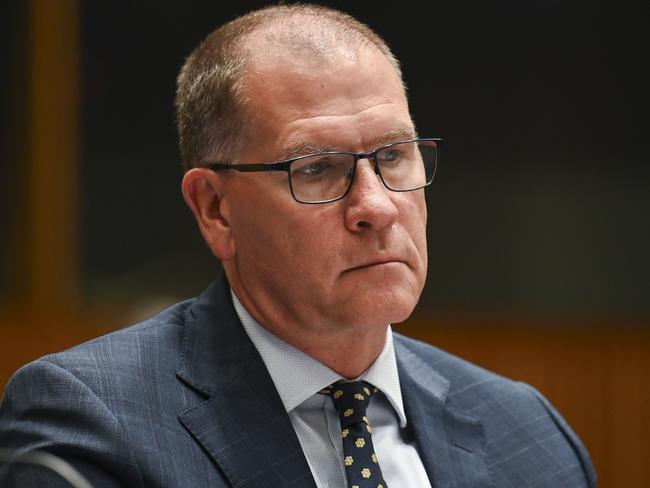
{"type": "Point", "coordinates": [376, 262]}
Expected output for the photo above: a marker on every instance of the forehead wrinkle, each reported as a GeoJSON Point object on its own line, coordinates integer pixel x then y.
{"type": "Point", "coordinates": [305, 148]}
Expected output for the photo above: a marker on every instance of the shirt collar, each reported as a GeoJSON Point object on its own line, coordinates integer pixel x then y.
{"type": "Point", "coordinates": [282, 361]}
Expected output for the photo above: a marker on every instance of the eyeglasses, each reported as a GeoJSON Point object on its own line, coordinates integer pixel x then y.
{"type": "Point", "coordinates": [328, 176]}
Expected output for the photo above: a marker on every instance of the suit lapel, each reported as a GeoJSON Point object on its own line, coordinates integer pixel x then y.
{"type": "Point", "coordinates": [242, 422]}
{"type": "Point", "coordinates": [450, 443]}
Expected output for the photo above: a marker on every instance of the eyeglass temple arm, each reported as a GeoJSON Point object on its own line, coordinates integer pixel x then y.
{"type": "Point", "coordinates": [249, 168]}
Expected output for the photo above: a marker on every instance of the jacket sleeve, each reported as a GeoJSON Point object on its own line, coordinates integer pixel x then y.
{"type": "Point", "coordinates": [48, 408]}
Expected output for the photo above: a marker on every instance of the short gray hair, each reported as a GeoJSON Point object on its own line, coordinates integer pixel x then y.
{"type": "Point", "coordinates": [210, 106]}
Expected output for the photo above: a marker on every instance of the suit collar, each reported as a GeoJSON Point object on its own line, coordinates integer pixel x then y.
{"type": "Point", "coordinates": [215, 348]}
{"type": "Point", "coordinates": [242, 422]}
{"type": "Point", "coordinates": [450, 443]}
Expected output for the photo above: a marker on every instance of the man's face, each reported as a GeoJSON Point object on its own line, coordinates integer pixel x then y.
{"type": "Point", "coordinates": [358, 262]}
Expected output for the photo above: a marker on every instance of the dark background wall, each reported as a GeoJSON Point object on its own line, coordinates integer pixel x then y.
{"type": "Point", "coordinates": [542, 199]}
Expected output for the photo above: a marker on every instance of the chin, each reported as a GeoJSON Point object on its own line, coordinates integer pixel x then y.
{"type": "Point", "coordinates": [380, 309]}
{"type": "Point", "coordinates": [364, 300]}
{"type": "Point", "coordinates": [399, 304]}
{"type": "Point", "coordinates": [400, 314]}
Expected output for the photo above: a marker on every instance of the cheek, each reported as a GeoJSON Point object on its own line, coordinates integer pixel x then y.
{"type": "Point", "coordinates": [258, 232]}
{"type": "Point", "coordinates": [415, 223]}
{"type": "Point", "coordinates": [316, 242]}
{"type": "Point", "coordinates": [415, 220]}
{"type": "Point", "coordinates": [422, 227]}
{"type": "Point", "coordinates": [288, 239]}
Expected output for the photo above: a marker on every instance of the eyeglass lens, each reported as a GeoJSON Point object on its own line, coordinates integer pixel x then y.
{"type": "Point", "coordinates": [402, 167]}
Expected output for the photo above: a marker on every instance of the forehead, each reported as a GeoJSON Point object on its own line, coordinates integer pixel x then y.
{"type": "Point", "coordinates": [348, 101]}
{"type": "Point", "coordinates": [297, 39]}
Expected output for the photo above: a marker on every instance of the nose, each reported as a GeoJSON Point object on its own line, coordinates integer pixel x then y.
{"type": "Point", "coordinates": [369, 205]}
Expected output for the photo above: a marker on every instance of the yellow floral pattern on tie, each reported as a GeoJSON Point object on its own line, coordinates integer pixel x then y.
{"type": "Point", "coordinates": [351, 400]}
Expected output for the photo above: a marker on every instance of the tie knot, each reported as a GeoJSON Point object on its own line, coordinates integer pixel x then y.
{"type": "Point", "coordinates": [351, 399]}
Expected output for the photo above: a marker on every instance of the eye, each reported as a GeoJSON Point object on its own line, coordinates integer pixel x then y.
{"type": "Point", "coordinates": [391, 155]}
{"type": "Point", "coordinates": [314, 169]}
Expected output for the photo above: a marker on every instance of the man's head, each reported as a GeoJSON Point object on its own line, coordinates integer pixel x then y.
{"type": "Point", "coordinates": [308, 82]}
{"type": "Point", "coordinates": [210, 106]}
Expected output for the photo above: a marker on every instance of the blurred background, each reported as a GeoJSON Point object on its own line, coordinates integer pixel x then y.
{"type": "Point", "coordinates": [538, 220]}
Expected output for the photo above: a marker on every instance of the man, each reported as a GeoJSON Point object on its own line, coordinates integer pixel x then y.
{"type": "Point", "coordinates": [285, 372]}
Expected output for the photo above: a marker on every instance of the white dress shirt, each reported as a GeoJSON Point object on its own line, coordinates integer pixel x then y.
{"type": "Point", "coordinates": [298, 378]}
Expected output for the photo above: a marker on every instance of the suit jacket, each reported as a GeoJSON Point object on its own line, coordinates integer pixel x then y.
{"type": "Point", "coordinates": [184, 400]}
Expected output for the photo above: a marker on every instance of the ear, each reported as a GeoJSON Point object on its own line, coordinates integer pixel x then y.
{"type": "Point", "coordinates": [204, 193]}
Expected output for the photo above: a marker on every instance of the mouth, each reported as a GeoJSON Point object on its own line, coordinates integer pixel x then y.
{"type": "Point", "coordinates": [376, 263]}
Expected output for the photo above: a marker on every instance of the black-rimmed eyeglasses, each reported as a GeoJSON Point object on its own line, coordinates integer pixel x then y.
{"type": "Point", "coordinates": [328, 176]}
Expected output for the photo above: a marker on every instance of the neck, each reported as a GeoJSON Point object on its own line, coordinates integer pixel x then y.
{"type": "Point", "coordinates": [348, 350]}
{"type": "Point", "coordinates": [349, 356]}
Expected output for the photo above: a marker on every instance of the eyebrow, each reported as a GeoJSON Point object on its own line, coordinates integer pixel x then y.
{"type": "Point", "coordinates": [402, 134]}
{"type": "Point", "coordinates": [305, 148]}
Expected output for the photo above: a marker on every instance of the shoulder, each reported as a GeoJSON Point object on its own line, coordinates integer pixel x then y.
{"type": "Point", "coordinates": [124, 354]}
{"type": "Point", "coordinates": [96, 402]}
{"type": "Point", "coordinates": [514, 415]}
{"type": "Point", "coordinates": [466, 381]}
{"type": "Point", "coordinates": [115, 363]}
{"type": "Point", "coordinates": [478, 392]}
{"type": "Point", "coordinates": [464, 378]}
{"type": "Point", "coordinates": [163, 329]}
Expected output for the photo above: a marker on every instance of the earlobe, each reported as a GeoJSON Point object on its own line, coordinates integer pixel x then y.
{"type": "Point", "coordinates": [204, 193]}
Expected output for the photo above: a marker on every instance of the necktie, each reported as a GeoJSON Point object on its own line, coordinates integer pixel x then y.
{"type": "Point", "coordinates": [351, 399]}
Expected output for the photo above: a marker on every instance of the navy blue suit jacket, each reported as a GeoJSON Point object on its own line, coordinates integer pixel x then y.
{"type": "Point", "coordinates": [184, 400]}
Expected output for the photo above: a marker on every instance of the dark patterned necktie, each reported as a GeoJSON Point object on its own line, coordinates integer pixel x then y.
{"type": "Point", "coordinates": [351, 399]}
